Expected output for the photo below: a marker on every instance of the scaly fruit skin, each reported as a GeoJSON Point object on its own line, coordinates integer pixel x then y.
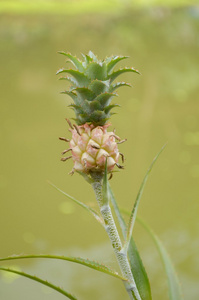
{"type": "Point", "coordinates": [92, 87]}
{"type": "Point", "coordinates": [91, 146]}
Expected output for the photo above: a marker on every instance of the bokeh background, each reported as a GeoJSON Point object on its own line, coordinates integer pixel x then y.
{"type": "Point", "coordinates": [162, 40]}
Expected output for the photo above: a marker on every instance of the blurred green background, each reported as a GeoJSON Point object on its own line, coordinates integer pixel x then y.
{"type": "Point", "coordinates": [162, 40]}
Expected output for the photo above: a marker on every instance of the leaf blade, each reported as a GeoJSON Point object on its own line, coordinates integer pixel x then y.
{"type": "Point", "coordinates": [81, 79]}
{"type": "Point", "coordinates": [115, 74]}
{"type": "Point", "coordinates": [44, 282]}
{"type": "Point", "coordinates": [86, 262]}
{"type": "Point", "coordinates": [137, 267]}
{"type": "Point", "coordinates": [76, 62]}
{"type": "Point", "coordinates": [137, 201]}
{"type": "Point", "coordinates": [86, 207]}
{"type": "Point", "coordinates": [175, 292]}
{"type": "Point", "coordinates": [114, 61]}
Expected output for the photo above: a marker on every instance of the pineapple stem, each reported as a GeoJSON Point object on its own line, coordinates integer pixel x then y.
{"type": "Point", "coordinates": [111, 229]}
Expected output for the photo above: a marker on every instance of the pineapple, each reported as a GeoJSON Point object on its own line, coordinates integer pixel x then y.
{"type": "Point", "coordinates": [92, 89]}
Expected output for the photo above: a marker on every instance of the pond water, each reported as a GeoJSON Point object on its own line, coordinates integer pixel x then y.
{"type": "Point", "coordinates": [161, 107]}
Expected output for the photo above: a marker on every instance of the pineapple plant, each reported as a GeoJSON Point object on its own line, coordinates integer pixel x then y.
{"type": "Point", "coordinates": [95, 153]}
{"type": "Point", "coordinates": [92, 90]}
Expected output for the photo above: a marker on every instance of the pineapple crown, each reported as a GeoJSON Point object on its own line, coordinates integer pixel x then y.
{"type": "Point", "coordinates": [92, 87]}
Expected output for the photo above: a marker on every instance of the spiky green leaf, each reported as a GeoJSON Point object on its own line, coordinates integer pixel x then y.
{"type": "Point", "coordinates": [44, 282]}
{"type": "Point", "coordinates": [96, 70]}
{"type": "Point", "coordinates": [81, 79]}
{"type": "Point", "coordinates": [115, 74]}
{"type": "Point", "coordinates": [108, 108]}
{"type": "Point", "coordinates": [95, 105]}
{"type": "Point", "coordinates": [70, 79]}
{"type": "Point", "coordinates": [92, 56]}
{"type": "Point", "coordinates": [71, 94]}
{"type": "Point", "coordinates": [76, 62]}
{"type": "Point", "coordinates": [97, 76]}
{"type": "Point", "coordinates": [77, 108]}
{"type": "Point", "coordinates": [105, 98]}
{"type": "Point", "coordinates": [97, 116]}
{"type": "Point", "coordinates": [117, 85]}
{"type": "Point", "coordinates": [98, 86]}
{"type": "Point", "coordinates": [84, 93]}
{"type": "Point", "coordinates": [114, 61]}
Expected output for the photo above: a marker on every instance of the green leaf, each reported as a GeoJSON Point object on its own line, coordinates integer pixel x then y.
{"type": "Point", "coordinates": [70, 79]}
{"type": "Point", "coordinates": [44, 282]}
{"type": "Point", "coordinates": [105, 98]}
{"type": "Point", "coordinates": [85, 262]}
{"type": "Point", "coordinates": [118, 85]}
{"type": "Point", "coordinates": [86, 207]}
{"type": "Point", "coordinates": [77, 108]}
{"type": "Point", "coordinates": [114, 61]}
{"type": "Point", "coordinates": [175, 292]}
{"type": "Point", "coordinates": [81, 78]}
{"type": "Point", "coordinates": [137, 201]}
{"type": "Point", "coordinates": [98, 86]}
{"type": "Point", "coordinates": [96, 70]}
{"type": "Point", "coordinates": [95, 105]}
{"type": "Point", "coordinates": [97, 116]}
{"type": "Point", "coordinates": [109, 107]}
{"type": "Point", "coordinates": [105, 186]}
{"type": "Point", "coordinates": [76, 62]}
{"type": "Point", "coordinates": [71, 94]}
{"type": "Point", "coordinates": [87, 60]}
{"type": "Point", "coordinates": [137, 267]}
{"type": "Point", "coordinates": [92, 56]}
{"type": "Point", "coordinates": [86, 177]}
{"type": "Point", "coordinates": [84, 93]}
{"type": "Point", "coordinates": [115, 74]}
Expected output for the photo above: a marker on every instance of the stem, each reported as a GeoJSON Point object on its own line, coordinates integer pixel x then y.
{"type": "Point", "coordinates": [114, 237]}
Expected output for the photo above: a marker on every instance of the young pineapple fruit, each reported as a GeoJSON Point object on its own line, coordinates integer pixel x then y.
{"type": "Point", "coordinates": [92, 90]}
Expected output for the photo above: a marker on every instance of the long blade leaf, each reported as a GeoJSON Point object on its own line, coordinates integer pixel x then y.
{"type": "Point", "coordinates": [88, 208]}
{"type": "Point", "coordinates": [137, 201]}
{"type": "Point", "coordinates": [137, 267]}
{"type": "Point", "coordinates": [175, 292]}
{"type": "Point", "coordinates": [44, 282]}
{"type": "Point", "coordinates": [86, 262]}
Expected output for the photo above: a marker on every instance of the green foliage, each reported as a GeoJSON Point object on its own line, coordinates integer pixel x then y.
{"type": "Point", "coordinates": [86, 262]}
{"type": "Point", "coordinates": [137, 267]}
{"type": "Point", "coordinates": [44, 282]}
{"type": "Point", "coordinates": [175, 292]}
{"type": "Point", "coordinates": [92, 86]}
{"type": "Point", "coordinates": [86, 207]}
{"type": "Point", "coordinates": [137, 201]}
